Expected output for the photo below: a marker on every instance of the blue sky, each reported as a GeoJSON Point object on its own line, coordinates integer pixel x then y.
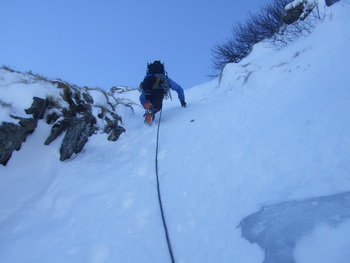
{"type": "Point", "coordinates": [106, 43]}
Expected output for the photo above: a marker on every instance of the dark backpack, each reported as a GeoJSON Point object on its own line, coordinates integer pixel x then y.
{"type": "Point", "coordinates": [155, 79]}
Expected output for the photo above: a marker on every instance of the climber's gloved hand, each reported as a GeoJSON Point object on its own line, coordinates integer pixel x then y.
{"type": "Point", "coordinates": [183, 103]}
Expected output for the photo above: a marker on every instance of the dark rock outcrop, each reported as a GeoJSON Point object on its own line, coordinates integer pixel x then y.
{"type": "Point", "coordinates": [38, 108]}
{"type": "Point", "coordinates": [11, 138]}
{"type": "Point", "coordinates": [28, 124]}
{"type": "Point", "coordinates": [297, 12]}
{"type": "Point", "coordinates": [88, 98]}
{"type": "Point", "coordinates": [293, 14]}
{"type": "Point", "coordinates": [78, 132]}
{"type": "Point", "coordinates": [115, 133]}
{"type": "Point", "coordinates": [78, 121]}
{"type": "Point", "coordinates": [52, 117]}
{"type": "Point", "coordinates": [331, 2]}
{"type": "Point", "coordinates": [113, 129]}
{"type": "Point", "coordinates": [13, 135]}
{"type": "Point", "coordinates": [57, 129]}
{"type": "Point", "coordinates": [73, 115]}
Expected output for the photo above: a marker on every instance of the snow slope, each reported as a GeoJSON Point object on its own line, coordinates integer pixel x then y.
{"type": "Point", "coordinates": [273, 128]}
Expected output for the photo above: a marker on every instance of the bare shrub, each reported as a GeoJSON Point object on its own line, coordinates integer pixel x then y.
{"type": "Point", "coordinates": [245, 35]}
{"type": "Point", "coordinates": [267, 24]}
{"type": "Point", "coordinates": [289, 33]}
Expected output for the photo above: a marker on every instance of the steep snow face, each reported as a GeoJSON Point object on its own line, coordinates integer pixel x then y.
{"type": "Point", "coordinates": [274, 128]}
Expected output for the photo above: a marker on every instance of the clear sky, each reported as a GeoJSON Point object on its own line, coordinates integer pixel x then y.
{"type": "Point", "coordinates": [104, 43]}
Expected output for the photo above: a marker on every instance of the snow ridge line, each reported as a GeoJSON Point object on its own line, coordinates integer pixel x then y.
{"type": "Point", "coordinates": [160, 197]}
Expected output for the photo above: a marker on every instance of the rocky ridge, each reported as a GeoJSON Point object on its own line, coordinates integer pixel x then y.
{"type": "Point", "coordinates": [72, 112]}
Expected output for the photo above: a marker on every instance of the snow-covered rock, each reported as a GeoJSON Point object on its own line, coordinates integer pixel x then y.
{"type": "Point", "coordinates": [331, 2]}
{"type": "Point", "coordinates": [68, 109]}
{"type": "Point", "coordinates": [298, 10]}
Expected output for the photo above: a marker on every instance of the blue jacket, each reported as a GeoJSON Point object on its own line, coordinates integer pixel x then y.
{"type": "Point", "coordinates": [172, 84]}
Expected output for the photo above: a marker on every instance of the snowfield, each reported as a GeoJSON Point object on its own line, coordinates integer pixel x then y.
{"type": "Point", "coordinates": [274, 129]}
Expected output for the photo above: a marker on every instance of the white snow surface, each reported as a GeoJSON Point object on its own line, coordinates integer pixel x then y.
{"type": "Point", "coordinates": [273, 128]}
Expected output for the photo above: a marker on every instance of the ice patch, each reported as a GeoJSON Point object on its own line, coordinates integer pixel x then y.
{"type": "Point", "coordinates": [326, 244]}
{"type": "Point", "coordinates": [278, 228]}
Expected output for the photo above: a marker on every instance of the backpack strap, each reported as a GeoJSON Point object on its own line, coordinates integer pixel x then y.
{"type": "Point", "coordinates": [158, 82]}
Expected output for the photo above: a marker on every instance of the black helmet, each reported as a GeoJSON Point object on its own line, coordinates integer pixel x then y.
{"type": "Point", "coordinates": [155, 68]}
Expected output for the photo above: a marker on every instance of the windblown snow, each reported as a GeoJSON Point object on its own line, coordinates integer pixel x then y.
{"type": "Point", "coordinates": [274, 129]}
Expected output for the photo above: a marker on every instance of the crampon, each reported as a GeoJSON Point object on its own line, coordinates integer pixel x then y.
{"type": "Point", "coordinates": [149, 114]}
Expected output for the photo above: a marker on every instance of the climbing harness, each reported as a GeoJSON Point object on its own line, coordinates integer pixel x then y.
{"type": "Point", "coordinates": [160, 198]}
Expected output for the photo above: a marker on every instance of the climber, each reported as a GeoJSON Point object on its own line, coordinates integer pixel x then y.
{"type": "Point", "coordinates": [154, 87]}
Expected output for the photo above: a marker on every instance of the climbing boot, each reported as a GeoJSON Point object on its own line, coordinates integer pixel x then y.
{"type": "Point", "coordinates": [149, 112]}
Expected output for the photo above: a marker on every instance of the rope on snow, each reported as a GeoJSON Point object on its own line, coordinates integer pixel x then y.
{"type": "Point", "coordinates": [160, 197]}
